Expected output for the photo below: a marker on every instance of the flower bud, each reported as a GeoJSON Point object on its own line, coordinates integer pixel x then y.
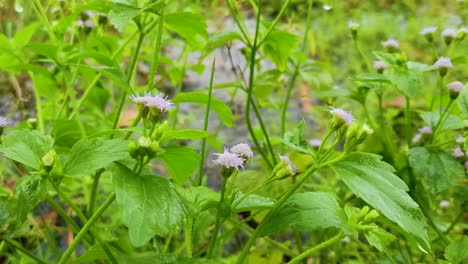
{"type": "Point", "coordinates": [353, 26]}
{"type": "Point", "coordinates": [391, 45]}
{"type": "Point", "coordinates": [370, 217]}
{"type": "Point", "coordinates": [102, 19]}
{"type": "Point", "coordinates": [159, 131]}
{"type": "Point", "coordinates": [133, 149]}
{"type": "Point", "coordinates": [461, 33]}
{"type": "Point", "coordinates": [284, 169]}
{"type": "Point", "coordinates": [449, 34]}
{"type": "Point", "coordinates": [380, 66]}
{"type": "Point", "coordinates": [401, 59]}
{"type": "Point", "coordinates": [364, 211]}
{"type": "Point", "coordinates": [340, 118]}
{"type": "Point", "coordinates": [455, 89]}
{"type": "Point", "coordinates": [48, 160]}
{"type": "Point", "coordinates": [428, 33]}
{"type": "Point", "coordinates": [443, 64]}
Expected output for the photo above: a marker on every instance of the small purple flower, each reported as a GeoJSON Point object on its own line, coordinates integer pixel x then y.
{"type": "Point", "coordinates": [425, 130]}
{"type": "Point", "coordinates": [79, 23]}
{"type": "Point", "coordinates": [229, 160]}
{"type": "Point", "coordinates": [460, 139]}
{"type": "Point", "coordinates": [457, 152]}
{"type": "Point", "coordinates": [342, 115]}
{"type": "Point", "coordinates": [289, 162]}
{"type": "Point", "coordinates": [391, 43]}
{"type": "Point", "coordinates": [157, 101]}
{"type": "Point", "coordinates": [4, 122]}
{"type": "Point", "coordinates": [345, 240]}
{"type": "Point", "coordinates": [353, 25]}
{"type": "Point", "coordinates": [89, 24]}
{"type": "Point", "coordinates": [379, 65]}
{"type": "Point", "coordinates": [444, 204]}
{"type": "Point", "coordinates": [242, 150]}
{"type": "Point", "coordinates": [315, 142]}
{"type": "Point", "coordinates": [449, 33]}
{"type": "Point", "coordinates": [456, 86]}
{"type": "Point", "coordinates": [416, 138]}
{"type": "Point", "coordinates": [443, 62]}
{"type": "Point", "coordinates": [428, 30]}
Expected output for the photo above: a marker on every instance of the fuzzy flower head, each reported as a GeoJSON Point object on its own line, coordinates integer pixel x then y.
{"type": "Point", "coordinates": [428, 30]}
{"type": "Point", "coordinates": [315, 142]}
{"type": "Point", "coordinates": [444, 204]}
{"type": "Point", "coordinates": [379, 66]}
{"type": "Point", "coordinates": [391, 44]}
{"type": "Point", "coordinates": [416, 138]}
{"type": "Point", "coordinates": [229, 160]}
{"type": "Point", "coordinates": [157, 101]}
{"type": "Point", "coordinates": [457, 152]}
{"type": "Point", "coordinates": [460, 140]}
{"type": "Point", "coordinates": [353, 25]}
{"type": "Point", "coordinates": [291, 165]}
{"type": "Point", "coordinates": [425, 130]}
{"type": "Point", "coordinates": [340, 118]}
{"type": "Point", "coordinates": [449, 34]}
{"type": "Point", "coordinates": [443, 64]}
{"type": "Point", "coordinates": [455, 88]}
{"type": "Point", "coordinates": [243, 150]}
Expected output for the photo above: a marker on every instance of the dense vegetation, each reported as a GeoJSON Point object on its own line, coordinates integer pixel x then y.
{"type": "Point", "coordinates": [237, 131]}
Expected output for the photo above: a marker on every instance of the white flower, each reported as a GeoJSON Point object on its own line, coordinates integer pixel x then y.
{"type": "Point", "coordinates": [89, 24]}
{"type": "Point", "coordinates": [79, 23]}
{"type": "Point", "coordinates": [289, 162]}
{"type": "Point", "coordinates": [379, 65]}
{"type": "Point", "coordinates": [416, 138]}
{"type": "Point", "coordinates": [229, 160]}
{"type": "Point", "coordinates": [242, 150]}
{"type": "Point", "coordinates": [449, 33]}
{"type": "Point", "coordinates": [443, 62]}
{"type": "Point", "coordinates": [428, 30]}
{"type": "Point", "coordinates": [460, 139]}
{"type": "Point", "coordinates": [457, 152]}
{"type": "Point", "coordinates": [444, 204]}
{"type": "Point", "coordinates": [156, 101]}
{"type": "Point", "coordinates": [327, 7]}
{"type": "Point", "coordinates": [391, 43]}
{"type": "Point", "coordinates": [425, 130]}
{"type": "Point", "coordinates": [345, 240]}
{"type": "Point", "coordinates": [456, 86]}
{"type": "Point", "coordinates": [353, 24]}
{"type": "Point", "coordinates": [315, 142]}
{"type": "Point", "coordinates": [343, 115]}
{"type": "Point", "coordinates": [4, 122]}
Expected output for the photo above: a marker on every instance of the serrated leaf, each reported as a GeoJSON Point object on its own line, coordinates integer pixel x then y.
{"type": "Point", "coordinates": [180, 162]}
{"type": "Point", "coordinates": [190, 26]}
{"type": "Point", "coordinates": [379, 238]}
{"type": "Point", "coordinates": [199, 198]}
{"type": "Point", "coordinates": [121, 14]}
{"type": "Point", "coordinates": [451, 122]}
{"type": "Point", "coordinates": [373, 180]}
{"type": "Point", "coordinates": [306, 211]}
{"type": "Point", "coordinates": [406, 80]}
{"type": "Point", "coordinates": [150, 204]}
{"type": "Point", "coordinates": [295, 138]}
{"type": "Point", "coordinates": [457, 251]}
{"type": "Point", "coordinates": [90, 154]}
{"type": "Point", "coordinates": [29, 191]}
{"type": "Point", "coordinates": [279, 46]}
{"type": "Point", "coordinates": [184, 134]}
{"type": "Point", "coordinates": [23, 36]}
{"type": "Point", "coordinates": [251, 202]}
{"type": "Point", "coordinates": [436, 168]}
{"type": "Point", "coordinates": [26, 147]}
{"type": "Point", "coordinates": [223, 111]}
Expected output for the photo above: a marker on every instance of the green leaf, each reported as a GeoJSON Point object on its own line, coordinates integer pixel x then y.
{"type": "Point", "coordinates": [295, 138]}
{"type": "Point", "coordinates": [217, 41]}
{"type": "Point", "coordinates": [90, 154]}
{"type": "Point", "coordinates": [180, 162]}
{"type": "Point", "coordinates": [184, 134]}
{"type": "Point", "coordinates": [306, 211]}
{"type": "Point", "coordinates": [379, 238]}
{"type": "Point", "coordinates": [457, 251]}
{"type": "Point", "coordinates": [436, 168]}
{"type": "Point", "coordinates": [372, 77]}
{"type": "Point", "coordinates": [278, 46]}
{"type": "Point", "coordinates": [373, 181]}
{"type": "Point", "coordinates": [387, 57]}
{"type": "Point", "coordinates": [223, 111]}
{"type": "Point", "coordinates": [151, 206]}
{"type": "Point", "coordinates": [407, 80]}
{"type": "Point", "coordinates": [190, 26]}
{"type": "Point", "coordinates": [23, 36]}
{"type": "Point", "coordinates": [121, 14]}
{"type": "Point", "coordinates": [26, 147]}
{"type": "Point", "coordinates": [252, 202]}
{"type": "Point", "coordinates": [451, 121]}
{"type": "Point", "coordinates": [462, 101]}
{"type": "Point", "coordinates": [29, 191]}
{"type": "Point", "coordinates": [199, 199]}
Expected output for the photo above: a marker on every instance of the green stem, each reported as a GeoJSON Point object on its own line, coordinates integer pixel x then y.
{"type": "Point", "coordinates": [361, 53]}
{"type": "Point", "coordinates": [40, 117]}
{"type": "Point", "coordinates": [141, 37]}
{"type": "Point", "coordinates": [240, 25]}
{"type": "Point", "coordinates": [16, 245]}
{"type": "Point", "coordinates": [43, 16]}
{"type": "Point", "coordinates": [320, 246]}
{"type": "Point", "coordinates": [205, 125]}
{"type": "Point", "coordinates": [94, 190]}
{"type": "Point", "coordinates": [85, 228]}
{"type": "Point", "coordinates": [298, 239]}
{"type": "Point", "coordinates": [275, 22]}
{"type": "Point", "coordinates": [218, 221]}
{"type": "Point", "coordinates": [441, 120]}
{"type": "Point", "coordinates": [273, 210]}
{"type": "Point", "coordinates": [188, 238]}
{"type": "Point", "coordinates": [156, 52]}
{"type": "Point", "coordinates": [409, 136]}
{"type": "Point", "coordinates": [285, 104]}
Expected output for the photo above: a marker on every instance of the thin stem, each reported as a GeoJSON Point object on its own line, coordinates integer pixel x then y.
{"type": "Point", "coordinates": [156, 52]}
{"type": "Point", "coordinates": [218, 220]}
{"type": "Point", "coordinates": [94, 190]}
{"type": "Point", "coordinates": [85, 228]}
{"type": "Point", "coordinates": [408, 121]}
{"type": "Point", "coordinates": [320, 246]}
{"type": "Point", "coordinates": [275, 22]}
{"type": "Point", "coordinates": [361, 53]}
{"type": "Point", "coordinates": [141, 37]}
{"type": "Point", "coordinates": [298, 239]}
{"type": "Point", "coordinates": [441, 120]}
{"type": "Point", "coordinates": [188, 237]}
{"type": "Point", "coordinates": [40, 117]}
{"type": "Point", "coordinates": [43, 16]}
{"type": "Point", "coordinates": [285, 104]}
{"type": "Point", "coordinates": [16, 245]}
{"type": "Point", "coordinates": [205, 125]}
{"type": "Point", "coordinates": [239, 23]}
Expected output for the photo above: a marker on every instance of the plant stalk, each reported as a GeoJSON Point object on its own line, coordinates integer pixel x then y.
{"type": "Point", "coordinates": [320, 246]}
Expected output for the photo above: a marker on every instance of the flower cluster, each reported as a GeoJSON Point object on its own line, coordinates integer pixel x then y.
{"type": "Point", "coordinates": [157, 101]}
{"type": "Point", "coordinates": [235, 157]}
{"type": "Point", "coordinates": [391, 44]}
{"type": "Point", "coordinates": [425, 130]}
